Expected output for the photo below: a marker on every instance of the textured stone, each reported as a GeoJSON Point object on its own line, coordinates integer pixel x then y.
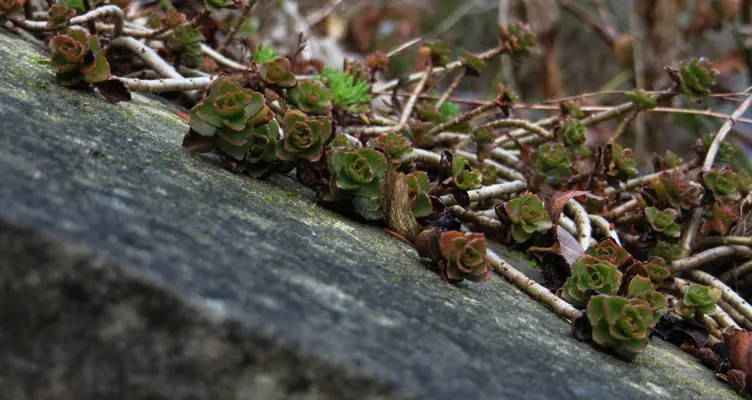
{"type": "Point", "coordinates": [130, 269]}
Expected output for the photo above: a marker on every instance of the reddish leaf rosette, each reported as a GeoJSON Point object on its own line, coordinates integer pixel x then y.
{"type": "Point", "coordinates": [464, 256]}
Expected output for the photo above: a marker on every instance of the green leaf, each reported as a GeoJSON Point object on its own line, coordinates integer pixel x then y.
{"type": "Point", "coordinates": [77, 5]}
{"type": "Point", "coordinates": [347, 91]}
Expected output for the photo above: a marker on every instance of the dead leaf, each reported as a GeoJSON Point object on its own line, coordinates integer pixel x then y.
{"type": "Point", "coordinates": [558, 200]}
{"type": "Point", "coordinates": [739, 345]}
{"type": "Point", "coordinates": [113, 90]}
{"type": "Point", "coordinates": [399, 213]}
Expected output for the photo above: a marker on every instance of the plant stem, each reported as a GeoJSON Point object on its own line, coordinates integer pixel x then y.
{"type": "Point", "coordinates": [149, 56]}
{"type": "Point", "coordinates": [166, 85]}
{"type": "Point", "coordinates": [476, 218]}
{"type": "Point", "coordinates": [582, 220]}
{"type": "Point", "coordinates": [532, 288]}
{"type": "Point", "coordinates": [704, 257]}
{"type": "Point", "coordinates": [728, 294]}
{"type": "Point", "coordinates": [488, 192]}
{"type": "Point", "coordinates": [502, 170]}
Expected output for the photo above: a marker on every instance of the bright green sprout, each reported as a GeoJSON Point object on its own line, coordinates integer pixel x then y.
{"type": "Point", "coordinates": [348, 92]}
{"type": "Point", "coordinates": [264, 54]}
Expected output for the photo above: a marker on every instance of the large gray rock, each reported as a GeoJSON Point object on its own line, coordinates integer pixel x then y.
{"type": "Point", "coordinates": [130, 269]}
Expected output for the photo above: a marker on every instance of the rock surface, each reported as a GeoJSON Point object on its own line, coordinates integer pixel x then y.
{"type": "Point", "coordinates": [130, 269]}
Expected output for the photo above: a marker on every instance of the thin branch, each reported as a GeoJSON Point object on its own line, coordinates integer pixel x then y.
{"type": "Point", "coordinates": [502, 170]}
{"type": "Point", "coordinates": [167, 85]}
{"type": "Point", "coordinates": [601, 224]}
{"type": "Point", "coordinates": [385, 87]}
{"type": "Point", "coordinates": [408, 109]}
{"type": "Point", "coordinates": [696, 220]}
{"type": "Point", "coordinates": [475, 218]}
{"type": "Point", "coordinates": [728, 294]}
{"type": "Point", "coordinates": [582, 220]}
{"type": "Point", "coordinates": [222, 60]}
{"type": "Point", "coordinates": [464, 117]}
{"type": "Point", "coordinates": [451, 88]}
{"type": "Point", "coordinates": [109, 11]}
{"type": "Point", "coordinates": [403, 47]}
{"type": "Point", "coordinates": [488, 192]}
{"type": "Point", "coordinates": [519, 123]}
{"type": "Point", "coordinates": [149, 56]}
{"type": "Point", "coordinates": [425, 156]}
{"type": "Point", "coordinates": [532, 288]}
{"type": "Point", "coordinates": [700, 259]}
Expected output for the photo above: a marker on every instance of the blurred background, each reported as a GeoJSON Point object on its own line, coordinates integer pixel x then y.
{"type": "Point", "coordinates": [584, 46]}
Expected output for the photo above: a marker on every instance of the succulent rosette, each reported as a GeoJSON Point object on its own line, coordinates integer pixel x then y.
{"type": "Point", "coordinates": [360, 172]}
{"type": "Point", "coordinates": [553, 161]}
{"type": "Point", "coordinates": [610, 251]}
{"type": "Point", "coordinates": [528, 216]}
{"type": "Point", "coordinates": [465, 176]}
{"type": "Point", "coordinates": [641, 287]}
{"type": "Point", "coordinates": [722, 216]}
{"type": "Point", "coordinates": [619, 324]}
{"type": "Point", "coordinates": [698, 300]}
{"type": "Point", "coordinates": [623, 164]}
{"type": "Point", "coordinates": [262, 143]}
{"type": "Point", "coordinates": [723, 183]}
{"type": "Point", "coordinates": [418, 187]}
{"type": "Point", "coordinates": [676, 191]}
{"type": "Point", "coordinates": [655, 268]}
{"type": "Point", "coordinates": [696, 77]}
{"type": "Point", "coordinates": [464, 256]}
{"type": "Point", "coordinates": [305, 136]}
{"type": "Point", "coordinates": [77, 58]}
{"type": "Point", "coordinates": [278, 72]}
{"type": "Point", "coordinates": [572, 132]}
{"type": "Point", "coordinates": [663, 222]}
{"type": "Point", "coordinates": [394, 145]}
{"type": "Point", "coordinates": [311, 97]}
{"type": "Point", "coordinates": [228, 108]}
{"type": "Point", "coordinates": [666, 250]}
{"type": "Point", "coordinates": [185, 42]}
{"type": "Point", "coordinates": [590, 276]}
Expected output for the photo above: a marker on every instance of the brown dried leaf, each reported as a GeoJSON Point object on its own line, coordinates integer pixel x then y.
{"type": "Point", "coordinates": [399, 214]}
{"type": "Point", "coordinates": [558, 200]}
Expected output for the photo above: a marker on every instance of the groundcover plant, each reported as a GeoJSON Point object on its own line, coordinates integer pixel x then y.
{"type": "Point", "coordinates": [625, 255]}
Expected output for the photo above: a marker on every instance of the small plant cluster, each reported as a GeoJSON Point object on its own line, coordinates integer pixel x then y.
{"type": "Point", "coordinates": [623, 256]}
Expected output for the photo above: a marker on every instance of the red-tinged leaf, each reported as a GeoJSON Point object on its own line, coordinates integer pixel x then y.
{"type": "Point", "coordinates": [184, 116]}
{"type": "Point", "coordinates": [556, 204]}
{"type": "Point", "coordinates": [739, 344]}
{"type": "Point", "coordinates": [569, 248]}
